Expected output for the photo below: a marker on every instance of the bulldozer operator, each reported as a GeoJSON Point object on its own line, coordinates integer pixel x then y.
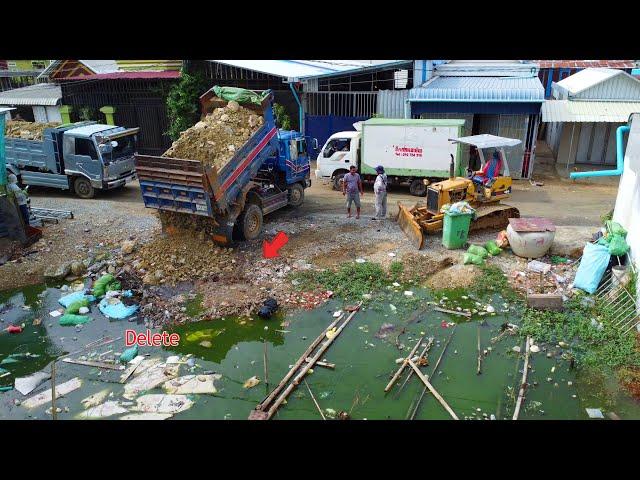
{"type": "Point", "coordinates": [489, 171]}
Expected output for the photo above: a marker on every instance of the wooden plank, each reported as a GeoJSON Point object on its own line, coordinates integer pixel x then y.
{"type": "Point", "coordinates": [452, 312]}
{"type": "Point", "coordinates": [523, 384]}
{"type": "Point", "coordinates": [433, 391]}
{"type": "Point", "coordinates": [545, 301]}
{"type": "Point", "coordinates": [87, 363]}
{"type": "Point", "coordinates": [405, 362]}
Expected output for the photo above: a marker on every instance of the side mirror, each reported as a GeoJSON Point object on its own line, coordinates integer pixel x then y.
{"type": "Point", "coordinates": [315, 144]}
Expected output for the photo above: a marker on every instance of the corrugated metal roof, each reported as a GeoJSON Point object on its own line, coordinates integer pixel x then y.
{"type": "Point", "coordinates": [39, 94]}
{"type": "Point", "coordinates": [486, 68]}
{"type": "Point", "coordinates": [127, 75]}
{"type": "Point", "coordinates": [391, 103]}
{"type": "Point", "coordinates": [575, 111]}
{"type": "Point", "coordinates": [298, 69]}
{"type": "Point", "coordinates": [585, 63]}
{"type": "Point", "coordinates": [587, 78]}
{"type": "Point", "coordinates": [480, 89]}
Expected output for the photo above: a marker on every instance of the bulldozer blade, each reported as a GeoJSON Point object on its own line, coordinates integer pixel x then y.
{"type": "Point", "coordinates": [410, 227]}
{"type": "Point", "coordinates": [494, 216]}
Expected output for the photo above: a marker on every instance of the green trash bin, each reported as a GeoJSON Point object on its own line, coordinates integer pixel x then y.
{"type": "Point", "coordinates": [455, 229]}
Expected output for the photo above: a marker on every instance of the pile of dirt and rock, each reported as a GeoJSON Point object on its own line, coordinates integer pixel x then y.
{"type": "Point", "coordinates": [27, 130]}
{"type": "Point", "coordinates": [182, 258]}
{"type": "Point", "coordinates": [214, 140]}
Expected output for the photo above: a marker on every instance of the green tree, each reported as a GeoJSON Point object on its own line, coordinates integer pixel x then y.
{"type": "Point", "coordinates": [183, 107]}
{"type": "Point", "coordinates": [283, 120]}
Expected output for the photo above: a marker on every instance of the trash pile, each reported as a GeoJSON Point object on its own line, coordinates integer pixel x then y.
{"type": "Point", "coordinates": [182, 258]}
{"type": "Point", "coordinates": [548, 275]}
{"type": "Point", "coordinates": [307, 300]}
{"type": "Point", "coordinates": [458, 208]}
{"type": "Point", "coordinates": [26, 130]}
{"type": "Point", "coordinates": [214, 140]}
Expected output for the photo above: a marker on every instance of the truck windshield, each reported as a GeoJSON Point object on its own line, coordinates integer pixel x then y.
{"type": "Point", "coordinates": [126, 147]}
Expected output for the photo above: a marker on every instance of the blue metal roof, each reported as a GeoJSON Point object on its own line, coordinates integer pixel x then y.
{"type": "Point", "coordinates": [479, 89]}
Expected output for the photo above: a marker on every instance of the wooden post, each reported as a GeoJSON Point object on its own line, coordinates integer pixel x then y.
{"type": "Point", "coordinates": [314, 400]}
{"type": "Point", "coordinates": [523, 385]}
{"type": "Point", "coordinates": [479, 352]}
{"type": "Point", "coordinates": [433, 390]}
{"type": "Point", "coordinates": [405, 362]}
{"type": "Point", "coordinates": [53, 390]}
{"type": "Point", "coordinates": [266, 364]}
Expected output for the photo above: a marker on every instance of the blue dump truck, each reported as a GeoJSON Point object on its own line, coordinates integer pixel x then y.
{"type": "Point", "coordinates": [82, 157]}
{"type": "Point", "coordinates": [268, 172]}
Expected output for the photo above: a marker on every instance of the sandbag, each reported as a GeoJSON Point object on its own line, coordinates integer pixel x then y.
{"type": "Point", "coordinates": [595, 259]}
{"type": "Point", "coordinates": [67, 300]}
{"type": "Point", "coordinates": [77, 305]}
{"type": "Point", "coordinates": [618, 246]}
{"type": "Point", "coordinates": [100, 287]}
{"type": "Point", "coordinates": [614, 228]}
{"type": "Point", "coordinates": [478, 250]}
{"type": "Point", "coordinates": [471, 258]}
{"type": "Point", "coordinates": [69, 319]}
{"type": "Point", "coordinates": [492, 248]}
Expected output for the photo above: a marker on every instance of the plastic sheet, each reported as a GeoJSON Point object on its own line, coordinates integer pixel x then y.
{"type": "Point", "coordinates": [67, 300]}
{"type": "Point", "coordinates": [595, 259]}
{"type": "Point", "coordinates": [115, 309]}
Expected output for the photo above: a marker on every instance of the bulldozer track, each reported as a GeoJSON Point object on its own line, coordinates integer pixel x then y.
{"type": "Point", "coordinates": [493, 216]}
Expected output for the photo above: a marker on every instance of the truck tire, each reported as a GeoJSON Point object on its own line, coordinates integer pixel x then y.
{"type": "Point", "coordinates": [418, 188]}
{"type": "Point", "coordinates": [83, 188]}
{"type": "Point", "coordinates": [337, 181]}
{"type": "Point", "coordinates": [249, 222]}
{"type": "Point", "coordinates": [296, 195]}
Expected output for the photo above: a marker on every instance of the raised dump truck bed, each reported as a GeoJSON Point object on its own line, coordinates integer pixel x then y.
{"type": "Point", "coordinates": [191, 187]}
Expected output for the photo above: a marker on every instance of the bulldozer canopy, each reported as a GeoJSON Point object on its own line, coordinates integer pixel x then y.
{"type": "Point", "coordinates": [487, 141]}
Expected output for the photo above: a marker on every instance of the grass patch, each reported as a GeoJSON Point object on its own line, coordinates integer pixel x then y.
{"type": "Point", "coordinates": [350, 281]}
{"type": "Point", "coordinates": [493, 280]}
{"type": "Point", "coordinates": [591, 346]}
{"type": "Point", "coordinates": [395, 269]}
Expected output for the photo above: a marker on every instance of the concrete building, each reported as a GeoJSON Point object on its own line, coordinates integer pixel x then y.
{"type": "Point", "coordinates": [584, 113]}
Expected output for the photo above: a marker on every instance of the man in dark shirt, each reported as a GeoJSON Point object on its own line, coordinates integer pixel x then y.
{"type": "Point", "coordinates": [352, 188]}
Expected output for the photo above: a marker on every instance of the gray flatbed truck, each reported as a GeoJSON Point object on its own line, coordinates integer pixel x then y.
{"type": "Point", "coordinates": [82, 157]}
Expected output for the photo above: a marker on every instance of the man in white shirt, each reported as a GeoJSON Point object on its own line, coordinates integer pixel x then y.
{"type": "Point", "coordinates": [380, 190]}
{"type": "Point", "coordinates": [21, 197]}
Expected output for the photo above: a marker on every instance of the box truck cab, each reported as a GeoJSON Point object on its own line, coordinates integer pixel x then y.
{"type": "Point", "coordinates": [414, 152]}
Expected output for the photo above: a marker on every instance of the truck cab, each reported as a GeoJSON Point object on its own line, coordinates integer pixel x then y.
{"type": "Point", "coordinates": [82, 157]}
{"type": "Point", "coordinates": [339, 152]}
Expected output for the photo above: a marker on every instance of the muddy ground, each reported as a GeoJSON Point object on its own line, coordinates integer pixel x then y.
{"type": "Point", "coordinates": [236, 281]}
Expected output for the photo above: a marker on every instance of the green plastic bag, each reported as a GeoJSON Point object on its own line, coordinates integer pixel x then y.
{"type": "Point", "coordinates": [493, 248]}
{"type": "Point", "coordinates": [478, 250]}
{"type": "Point", "coordinates": [618, 246]}
{"type": "Point", "coordinates": [69, 319]}
{"type": "Point", "coordinates": [614, 228]}
{"type": "Point", "coordinates": [240, 95]}
{"type": "Point", "coordinates": [75, 307]}
{"type": "Point", "coordinates": [470, 258]}
{"type": "Point", "coordinates": [100, 287]}
{"type": "Point", "coordinates": [129, 354]}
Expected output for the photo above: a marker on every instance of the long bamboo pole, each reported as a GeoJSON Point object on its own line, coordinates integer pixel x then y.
{"type": "Point", "coordinates": [479, 353]}
{"type": "Point", "coordinates": [405, 362]}
{"type": "Point", "coordinates": [435, 369]}
{"type": "Point", "coordinates": [296, 366]}
{"type": "Point", "coordinates": [433, 390]}
{"type": "Point", "coordinates": [314, 400]}
{"type": "Point", "coordinates": [425, 350]}
{"type": "Point", "coordinates": [53, 390]}
{"type": "Point", "coordinates": [307, 367]}
{"type": "Point", "coordinates": [523, 385]}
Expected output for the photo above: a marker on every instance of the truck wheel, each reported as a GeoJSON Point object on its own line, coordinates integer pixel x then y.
{"type": "Point", "coordinates": [296, 195]}
{"type": "Point", "coordinates": [250, 222]}
{"type": "Point", "coordinates": [83, 188]}
{"type": "Point", "coordinates": [418, 188]}
{"type": "Point", "coordinates": [337, 181]}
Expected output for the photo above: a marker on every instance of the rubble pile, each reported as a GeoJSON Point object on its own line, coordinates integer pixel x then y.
{"type": "Point", "coordinates": [214, 140]}
{"type": "Point", "coordinates": [27, 130]}
{"type": "Point", "coordinates": [544, 277]}
{"type": "Point", "coordinates": [182, 258]}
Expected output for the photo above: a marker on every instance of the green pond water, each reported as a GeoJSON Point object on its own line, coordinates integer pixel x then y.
{"type": "Point", "coordinates": [364, 363]}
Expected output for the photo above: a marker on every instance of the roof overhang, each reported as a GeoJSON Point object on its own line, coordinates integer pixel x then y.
{"type": "Point", "coordinates": [575, 111]}
{"type": "Point", "coordinates": [487, 141]}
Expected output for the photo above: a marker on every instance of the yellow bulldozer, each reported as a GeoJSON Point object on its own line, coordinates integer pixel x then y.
{"type": "Point", "coordinates": [483, 192]}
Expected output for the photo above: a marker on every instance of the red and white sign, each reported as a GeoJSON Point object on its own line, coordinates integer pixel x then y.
{"type": "Point", "coordinates": [404, 151]}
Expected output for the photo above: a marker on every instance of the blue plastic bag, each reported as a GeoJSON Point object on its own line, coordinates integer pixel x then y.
{"type": "Point", "coordinates": [116, 310]}
{"type": "Point", "coordinates": [595, 259]}
{"type": "Point", "coordinates": [74, 297]}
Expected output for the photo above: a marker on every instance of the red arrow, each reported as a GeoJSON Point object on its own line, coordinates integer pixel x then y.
{"type": "Point", "coordinates": [270, 250]}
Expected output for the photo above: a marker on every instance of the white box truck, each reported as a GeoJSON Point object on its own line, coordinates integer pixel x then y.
{"type": "Point", "coordinates": [413, 152]}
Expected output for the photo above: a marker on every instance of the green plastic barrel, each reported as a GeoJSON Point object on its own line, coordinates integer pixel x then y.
{"type": "Point", "coordinates": [455, 230]}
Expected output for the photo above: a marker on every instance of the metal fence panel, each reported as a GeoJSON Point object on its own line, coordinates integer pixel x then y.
{"type": "Point", "coordinates": [391, 103]}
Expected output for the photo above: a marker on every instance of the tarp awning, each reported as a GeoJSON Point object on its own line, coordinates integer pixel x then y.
{"type": "Point", "coordinates": [577, 111]}
{"type": "Point", "coordinates": [487, 141]}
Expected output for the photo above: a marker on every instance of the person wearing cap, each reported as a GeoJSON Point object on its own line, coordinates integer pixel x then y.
{"type": "Point", "coordinates": [21, 197]}
{"type": "Point", "coordinates": [352, 188]}
{"type": "Point", "coordinates": [380, 190]}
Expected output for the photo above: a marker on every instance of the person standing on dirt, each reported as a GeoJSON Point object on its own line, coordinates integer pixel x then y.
{"type": "Point", "coordinates": [352, 188]}
{"type": "Point", "coordinates": [380, 190]}
{"type": "Point", "coordinates": [21, 197]}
